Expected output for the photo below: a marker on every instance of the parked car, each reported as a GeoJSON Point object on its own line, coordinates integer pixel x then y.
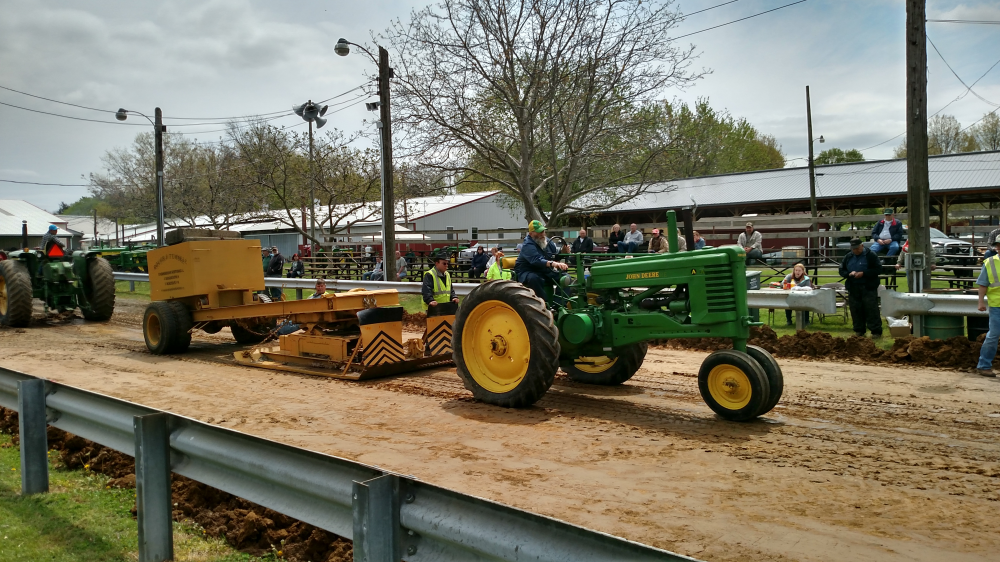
{"type": "Point", "coordinates": [949, 251]}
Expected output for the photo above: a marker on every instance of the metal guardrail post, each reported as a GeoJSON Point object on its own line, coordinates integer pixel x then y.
{"type": "Point", "coordinates": [377, 535]}
{"type": "Point", "coordinates": [131, 286]}
{"type": "Point", "coordinates": [34, 437]}
{"type": "Point", "coordinates": [298, 294]}
{"type": "Point", "coordinates": [152, 488]}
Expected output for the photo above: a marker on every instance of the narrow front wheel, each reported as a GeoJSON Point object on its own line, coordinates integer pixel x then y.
{"type": "Point", "coordinates": [733, 385]}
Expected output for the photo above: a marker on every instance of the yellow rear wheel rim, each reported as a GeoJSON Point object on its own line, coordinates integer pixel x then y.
{"type": "Point", "coordinates": [3, 296]}
{"type": "Point", "coordinates": [594, 365]}
{"type": "Point", "coordinates": [729, 387]}
{"type": "Point", "coordinates": [496, 346]}
{"type": "Point", "coordinates": [153, 330]}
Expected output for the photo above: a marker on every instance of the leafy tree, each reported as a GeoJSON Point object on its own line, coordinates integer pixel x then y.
{"type": "Point", "coordinates": [839, 156]}
{"type": "Point", "coordinates": [548, 100]}
{"type": "Point", "coordinates": [82, 206]}
{"type": "Point", "coordinates": [703, 141]}
{"type": "Point", "coordinates": [944, 135]}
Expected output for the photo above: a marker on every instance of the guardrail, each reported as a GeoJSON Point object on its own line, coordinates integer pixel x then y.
{"type": "Point", "coordinates": [902, 304]}
{"type": "Point", "coordinates": [822, 301]}
{"type": "Point", "coordinates": [388, 516]}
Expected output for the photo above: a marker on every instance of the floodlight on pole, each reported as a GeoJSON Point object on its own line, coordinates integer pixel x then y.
{"type": "Point", "coordinates": [158, 130]}
{"type": "Point", "coordinates": [312, 113]}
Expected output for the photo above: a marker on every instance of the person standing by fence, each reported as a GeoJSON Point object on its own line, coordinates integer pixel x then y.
{"type": "Point", "coordinates": [861, 268]}
{"type": "Point", "coordinates": [988, 285]}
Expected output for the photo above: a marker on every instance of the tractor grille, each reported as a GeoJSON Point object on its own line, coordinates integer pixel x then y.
{"type": "Point", "coordinates": [719, 288]}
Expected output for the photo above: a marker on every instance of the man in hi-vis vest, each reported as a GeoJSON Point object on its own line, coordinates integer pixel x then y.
{"type": "Point", "coordinates": [989, 289]}
{"type": "Point", "coordinates": [437, 283]}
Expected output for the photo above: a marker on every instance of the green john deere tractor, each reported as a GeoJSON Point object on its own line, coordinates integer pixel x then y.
{"type": "Point", "coordinates": [82, 280]}
{"type": "Point", "coordinates": [508, 343]}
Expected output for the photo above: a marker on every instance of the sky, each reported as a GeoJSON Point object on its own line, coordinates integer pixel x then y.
{"type": "Point", "coordinates": [220, 58]}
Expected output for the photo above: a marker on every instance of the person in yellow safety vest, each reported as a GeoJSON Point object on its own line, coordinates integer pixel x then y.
{"type": "Point", "coordinates": [496, 271]}
{"type": "Point", "coordinates": [989, 289]}
{"type": "Point", "coordinates": [437, 287]}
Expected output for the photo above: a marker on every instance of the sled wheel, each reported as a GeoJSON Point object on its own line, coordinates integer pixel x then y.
{"type": "Point", "coordinates": [159, 327]}
{"type": "Point", "coordinates": [182, 331]}
{"type": "Point", "coordinates": [506, 345]}
{"type": "Point", "coordinates": [775, 380]}
{"type": "Point", "coordinates": [733, 385]}
{"type": "Point", "coordinates": [15, 294]}
{"type": "Point", "coordinates": [607, 370]}
{"type": "Point", "coordinates": [99, 291]}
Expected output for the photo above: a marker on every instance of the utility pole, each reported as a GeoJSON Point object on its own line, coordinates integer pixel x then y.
{"type": "Point", "coordinates": [917, 176]}
{"type": "Point", "coordinates": [312, 188]}
{"type": "Point", "coordinates": [158, 128]}
{"type": "Point", "coordinates": [388, 201]}
{"type": "Point", "coordinates": [812, 165]}
{"type": "Point", "coordinates": [95, 226]}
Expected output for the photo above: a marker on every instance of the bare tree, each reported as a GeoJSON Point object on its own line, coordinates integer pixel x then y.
{"type": "Point", "coordinates": [548, 100]}
{"type": "Point", "coordinates": [276, 161]}
{"type": "Point", "coordinates": [987, 132]}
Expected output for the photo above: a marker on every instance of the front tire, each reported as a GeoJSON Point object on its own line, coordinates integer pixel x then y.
{"type": "Point", "coordinates": [99, 290]}
{"type": "Point", "coordinates": [506, 346]}
{"type": "Point", "coordinates": [733, 385]}
{"type": "Point", "coordinates": [775, 380]}
{"type": "Point", "coordinates": [15, 294]}
{"type": "Point", "coordinates": [606, 371]}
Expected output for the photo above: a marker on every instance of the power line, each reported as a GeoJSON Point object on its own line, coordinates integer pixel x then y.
{"type": "Point", "coordinates": [990, 22]}
{"type": "Point", "coordinates": [960, 96]}
{"type": "Point", "coordinates": [70, 117]}
{"type": "Point", "coordinates": [685, 16]}
{"type": "Point", "coordinates": [212, 120]}
{"type": "Point", "coordinates": [739, 20]}
{"type": "Point", "coordinates": [968, 88]}
{"type": "Point", "coordinates": [53, 184]}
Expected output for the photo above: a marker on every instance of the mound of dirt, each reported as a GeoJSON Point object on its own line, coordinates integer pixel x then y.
{"type": "Point", "coordinates": [415, 322]}
{"type": "Point", "coordinates": [246, 526]}
{"type": "Point", "coordinates": [954, 353]}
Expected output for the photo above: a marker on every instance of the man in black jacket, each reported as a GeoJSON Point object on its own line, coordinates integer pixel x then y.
{"type": "Point", "coordinates": [274, 269]}
{"type": "Point", "coordinates": [861, 268]}
{"type": "Point", "coordinates": [582, 245]}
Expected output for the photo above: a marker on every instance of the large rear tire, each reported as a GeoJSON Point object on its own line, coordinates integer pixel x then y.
{"type": "Point", "coordinates": [99, 290]}
{"type": "Point", "coordinates": [506, 345]}
{"type": "Point", "coordinates": [182, 332]}
{"type": "Point", "coordinates": [15, 294]}
{"type": "Point", "coordinates": [775, 380]}
{"type": "Point", "coordinates": [733, 385]}
{"type": "Point", "coordinates": [606, 371]}
{"type": "Point", "coordinates": [159, 327]}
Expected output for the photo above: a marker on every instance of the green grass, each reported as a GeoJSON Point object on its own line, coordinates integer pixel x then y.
{"type": "Point", "coordinates": [82, 520]}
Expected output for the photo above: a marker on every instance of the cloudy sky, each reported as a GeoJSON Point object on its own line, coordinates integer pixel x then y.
{"type": "Point", "coordinates": [219, 58]}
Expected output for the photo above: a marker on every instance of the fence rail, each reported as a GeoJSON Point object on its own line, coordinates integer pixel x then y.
{"type": "Point", "coordinates": [388, 516]}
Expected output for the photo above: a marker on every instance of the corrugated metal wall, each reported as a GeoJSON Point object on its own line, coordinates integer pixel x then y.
{"type": "Point", "coordinates": [287, 244]}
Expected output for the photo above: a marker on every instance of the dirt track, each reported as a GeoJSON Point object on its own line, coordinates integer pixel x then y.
{"type": "Point", "coordinates": [858, 462]}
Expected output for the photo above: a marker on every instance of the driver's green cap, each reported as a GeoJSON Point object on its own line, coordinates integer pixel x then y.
{"type": "Point", "coordinates": [536, 226]}
{"type": "Point", "coordinates": [888, 211]}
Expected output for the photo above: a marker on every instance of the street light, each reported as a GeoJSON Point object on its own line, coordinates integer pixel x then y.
{"type": "Point", "coordinates": [343, 48]}
{"type": "Point", "coordinates": [312, 112]}
{"type": "Point", "coordinates": [158, 129]}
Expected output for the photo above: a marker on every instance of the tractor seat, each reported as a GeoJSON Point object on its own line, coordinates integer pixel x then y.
{"type": "Point", "coordinates": [508, 263]}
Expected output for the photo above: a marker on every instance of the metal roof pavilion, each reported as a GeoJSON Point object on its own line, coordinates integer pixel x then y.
{"type": "Point", "coordinates": [969, 176]}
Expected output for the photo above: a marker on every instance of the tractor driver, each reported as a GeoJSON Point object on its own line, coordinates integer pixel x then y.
{"type": "Point", "coordinates": [535, 266]}
{"type": "Point", "coordinates": [437, 287]}
{"type": "Point", "coordinates": [49, 239]}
